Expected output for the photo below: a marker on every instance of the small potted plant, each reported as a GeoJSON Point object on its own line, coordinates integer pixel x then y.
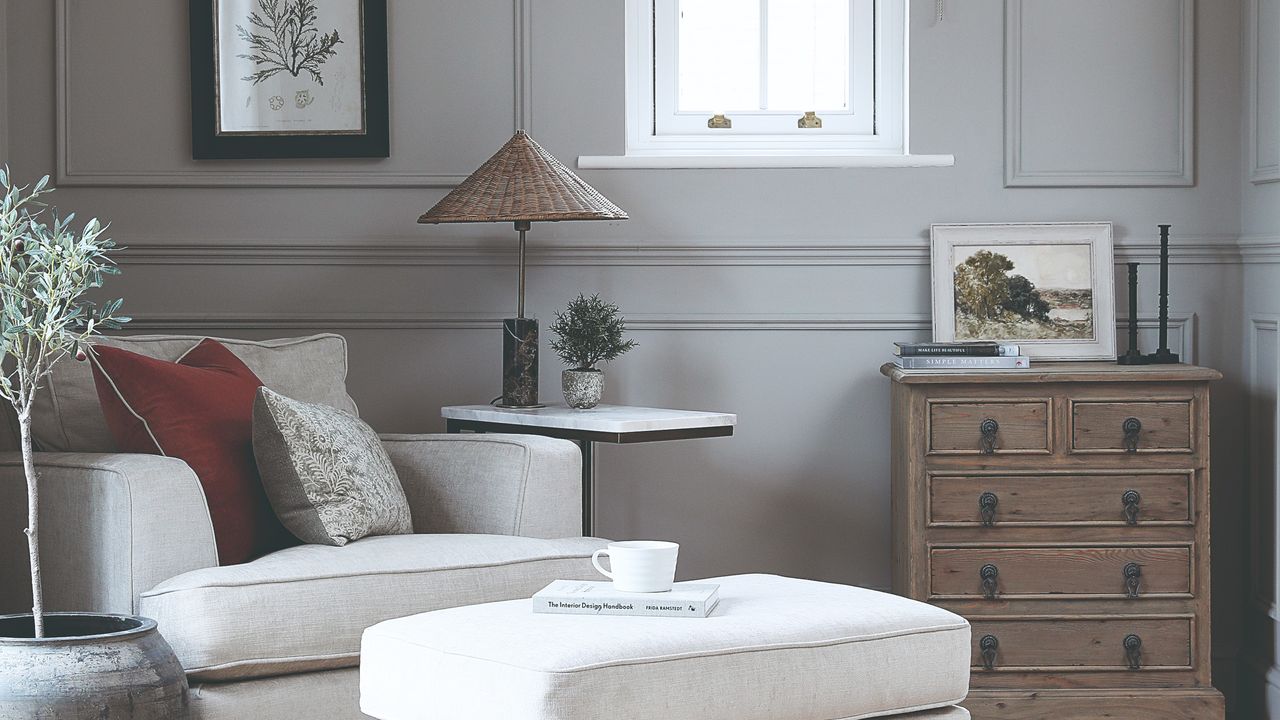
{"type": "Point", "coordinates": [589, 331]}
{"type": "Point", "coordinates": [64, 664]}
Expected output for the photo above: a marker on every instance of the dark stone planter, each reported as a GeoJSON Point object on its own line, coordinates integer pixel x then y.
{"type": "Point", "coordinates": [90, 666]}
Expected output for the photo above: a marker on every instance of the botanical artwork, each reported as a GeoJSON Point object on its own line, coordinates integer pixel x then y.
{"type": "Point", "coordinates": [285, 39]}
{"type": "Point", "coordinates": [1024, 292]}
{"type": "Point", "coordinates": [289, 67]}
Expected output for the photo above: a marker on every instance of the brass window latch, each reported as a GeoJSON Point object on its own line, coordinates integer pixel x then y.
{"type": "Point", "coordinates": [810, 121]}
{"type": "Point", "coordinates": [719, 122]}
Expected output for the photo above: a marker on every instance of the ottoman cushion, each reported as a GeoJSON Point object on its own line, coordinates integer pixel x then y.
{"type": "Point", "coordinates": [774, 649]}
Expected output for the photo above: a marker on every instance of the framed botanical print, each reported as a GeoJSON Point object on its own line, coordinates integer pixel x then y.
{"type": "Point", "coordinates": [1047, 287]}
{"type": "Point", "coordinates": [289, 79]}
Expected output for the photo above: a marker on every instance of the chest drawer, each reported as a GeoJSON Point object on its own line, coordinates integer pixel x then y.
{"type": "Point", "coordinates": [1132, 427]}
{"type": "Point", "coordinates": [976, 427]}
{"type": "Point", "coordinates": [1044, 644]}
{"type": "Point", "coordinates": [1016, 500]}
{"type": "Point", "coordinates": [999, 573]}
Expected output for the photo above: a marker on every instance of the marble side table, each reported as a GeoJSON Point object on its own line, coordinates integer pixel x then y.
{"type": "Point", "coordinates": [619, 424]}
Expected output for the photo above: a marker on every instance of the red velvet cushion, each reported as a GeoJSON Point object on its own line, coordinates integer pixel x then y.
{"type": "Point", "coordinates": [200, 410]}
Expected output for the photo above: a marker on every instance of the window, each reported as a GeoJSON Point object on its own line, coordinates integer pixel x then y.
{"type": "Point", "coordinates": [772, 83]}
{"type": "Point", "coordinates": [762, 64]}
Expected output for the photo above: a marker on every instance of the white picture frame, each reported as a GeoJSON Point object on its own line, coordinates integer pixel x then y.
{"type": "Point", "coordinates": [1063, 308]}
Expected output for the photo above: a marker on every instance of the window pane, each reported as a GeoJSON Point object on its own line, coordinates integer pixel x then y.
{"type": "Point", "coordinates": [808, 55]}
{"type": "Point", "coordinates": [719, 56]}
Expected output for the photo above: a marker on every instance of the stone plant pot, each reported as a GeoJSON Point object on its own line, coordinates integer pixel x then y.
{"type": "Point", "coordinates": [582, 388]}
{"type": "Point", "coordinates": [89, 666]}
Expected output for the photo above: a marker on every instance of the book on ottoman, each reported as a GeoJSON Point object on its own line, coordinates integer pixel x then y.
{"type": "Point", "coordinates": [582, 597]}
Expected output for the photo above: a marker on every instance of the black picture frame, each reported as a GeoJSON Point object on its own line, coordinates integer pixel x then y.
{"type": "Point", "coordinates": [208, 144]}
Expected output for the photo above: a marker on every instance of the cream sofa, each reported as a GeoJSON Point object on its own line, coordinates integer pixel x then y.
{"type": "Point", "coordinates": [279, 637]}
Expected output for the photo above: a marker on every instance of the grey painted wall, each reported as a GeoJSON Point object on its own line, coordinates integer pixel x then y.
{"type": "Point", "coordinates": [1260, 225]}
{"type": "Point", "coordinates": [774, 294]}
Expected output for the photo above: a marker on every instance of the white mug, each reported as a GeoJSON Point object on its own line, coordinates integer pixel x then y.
{"type": "Point", "coordinates": [646, 566]}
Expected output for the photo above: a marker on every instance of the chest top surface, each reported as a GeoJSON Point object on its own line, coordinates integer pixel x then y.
{"type": "Point", "coordinates": [1055, 372]}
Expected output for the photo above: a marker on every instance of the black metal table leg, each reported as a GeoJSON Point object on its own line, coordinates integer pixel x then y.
{"type": "Point", "coordinates": [588, 488]}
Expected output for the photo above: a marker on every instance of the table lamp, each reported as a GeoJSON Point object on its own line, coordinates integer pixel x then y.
{"type": "Point", "coordinates": [521, 184]}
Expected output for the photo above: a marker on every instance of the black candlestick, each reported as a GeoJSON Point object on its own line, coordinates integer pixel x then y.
{"type": "Point", "coordinates": [1133, 357]}
{"type": "Point", "coordinates": [1164, 356]}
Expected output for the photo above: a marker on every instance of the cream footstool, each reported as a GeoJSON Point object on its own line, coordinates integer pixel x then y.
{"type": "Point", "coordinates": [774, 649]}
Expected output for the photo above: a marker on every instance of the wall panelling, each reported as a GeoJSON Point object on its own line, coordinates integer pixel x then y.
{"type": "Point", "coordinates": [1092, 103]}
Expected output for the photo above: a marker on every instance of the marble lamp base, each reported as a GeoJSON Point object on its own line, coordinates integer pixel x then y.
{"type": "Point", "coordinates": [520, 363]}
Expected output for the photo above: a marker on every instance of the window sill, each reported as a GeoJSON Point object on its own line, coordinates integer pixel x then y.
{"type": "Point", "coordinates": [679, 161]}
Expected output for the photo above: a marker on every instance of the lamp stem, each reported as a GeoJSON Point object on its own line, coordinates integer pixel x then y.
{"type": "Point", "coordinates": [522, 226]}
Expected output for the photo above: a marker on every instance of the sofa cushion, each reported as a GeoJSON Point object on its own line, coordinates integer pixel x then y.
{"type": "Point", "coordinates": [304, 608]}
{"type": "Point", "coordinates": [199, 410]}
{"type": "Point", "coordinates": [66, 416]}
{"type": "Point", "coordinates": [325, 471]}
{"type": "Point", "coordinates": [774, 648]}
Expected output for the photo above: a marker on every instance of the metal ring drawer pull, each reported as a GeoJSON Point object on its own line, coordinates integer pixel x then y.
{"type": "Point", "coordinates": [989, 428]}
{"type": "Point", "coordinates": [1132, 427]}
{"type": "Point", "coordinates": [989, 574]}
{"type": "Point", "coordinates": [988, 645]}
{"type": "Point", "coordinates": [987, 503]}
{"type": "Point", "coordinates": [1133, 651]}
{"type": "Point", "coordinates": [1132, 503]}
{"type": "Point", "coordinates": [1132, 579]}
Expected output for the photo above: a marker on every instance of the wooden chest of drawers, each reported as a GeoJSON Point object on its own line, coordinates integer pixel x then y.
{"type": "Point", "coordinates": [1065, 512]}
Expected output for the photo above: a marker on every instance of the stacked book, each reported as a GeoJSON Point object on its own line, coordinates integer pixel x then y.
{"type": "Point", "coordinates": [582, 597]}
{"type": "Point", "coordinates": [983, 355]}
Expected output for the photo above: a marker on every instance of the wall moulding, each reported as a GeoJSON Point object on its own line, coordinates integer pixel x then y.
{"type": "Point", "coordinates": [1017, 175]}
{"type": "Point", "coordinates": [162, 322]}
{"type": "Point", "coordinates": [423, 251]}
{"type": "Point", "coordinates": [1264, 382]}
{"type": "Point", "coordinates": [1261, 170]}
{"type": "Point", "coordinates": [1260, 248]}
{"type": "Point", "coordinates": [282, 174]}
{"type": "Point", "coordinates": [1185, 325]}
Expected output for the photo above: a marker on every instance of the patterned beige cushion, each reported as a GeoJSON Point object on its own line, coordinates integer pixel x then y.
{"type": "Point", "coordinates": [325, 472]}
{"type": "Point", "coordinates": [67, 418]}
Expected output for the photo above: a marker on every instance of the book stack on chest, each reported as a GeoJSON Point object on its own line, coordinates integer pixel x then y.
{"type": "Point", "coordinates": [1064, 511]}
{"type": "Point", "coordinates": [981, 355]}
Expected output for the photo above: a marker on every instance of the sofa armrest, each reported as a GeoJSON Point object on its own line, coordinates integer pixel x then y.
{"type": "Point", "coordinates": [490, 483]}
{"type": "Point", "coordinates": [111, 526]}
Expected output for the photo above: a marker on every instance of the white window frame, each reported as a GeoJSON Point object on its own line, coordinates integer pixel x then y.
{"type": "Point", "coordinates": [857, 121]}
{"type": "Point", "coordinates": [887, 147]}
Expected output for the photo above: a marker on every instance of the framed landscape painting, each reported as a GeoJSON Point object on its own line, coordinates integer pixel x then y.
{"type": "Point", "coordinates": [289, 79]}
{"type": "Point", "coordinates": [1047, 287]}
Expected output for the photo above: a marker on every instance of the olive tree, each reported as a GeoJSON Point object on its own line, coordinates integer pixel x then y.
{"type": "Point", "coordinates": [46, 269]}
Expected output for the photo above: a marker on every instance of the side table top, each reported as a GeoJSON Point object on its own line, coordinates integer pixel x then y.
{"type": "Point", "coordinates": [601, 418]}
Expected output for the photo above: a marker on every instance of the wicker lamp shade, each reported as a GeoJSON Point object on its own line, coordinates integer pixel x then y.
{"type": "Point", "coordinates": [522, 182]}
